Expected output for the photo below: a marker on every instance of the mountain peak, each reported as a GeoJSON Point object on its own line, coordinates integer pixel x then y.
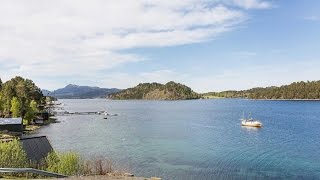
{"type": "Point", "coordinates": [71, 85]}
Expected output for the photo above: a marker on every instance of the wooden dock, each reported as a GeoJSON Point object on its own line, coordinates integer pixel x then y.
{"type": "Point", "coordinates": [66, 113]}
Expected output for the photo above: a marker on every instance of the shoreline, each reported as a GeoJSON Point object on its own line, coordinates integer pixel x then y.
{"type": "Point", "coordinates": [266, 99]}
{"type": "Point", "coordinates": [285, 99]}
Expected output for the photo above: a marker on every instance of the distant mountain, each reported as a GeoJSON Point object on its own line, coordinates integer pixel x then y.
{"type": "Point", "coordinates": [46, 92]}
{"type": "Point", "coordinates": [156, 91]}
{"type": "Point", "coordinates": [72, 91]}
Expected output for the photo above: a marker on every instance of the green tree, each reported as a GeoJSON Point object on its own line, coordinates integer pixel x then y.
{"type": "Point", "coordinates": [1, 106]}
{"type": "Point", "coordinates": [24, 90]}
{"type": "Point", "coordinates": [15, 107]}
{"type": "Point", "coordinates": [34, 106]}
{"type": "Point", "coordinates": [32, 111]}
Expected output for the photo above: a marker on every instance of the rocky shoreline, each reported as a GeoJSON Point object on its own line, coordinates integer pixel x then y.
{"type": "Point", "coordinates": [111, 177]}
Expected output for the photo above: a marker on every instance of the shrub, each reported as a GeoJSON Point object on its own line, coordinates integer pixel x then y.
{"type": "Point", "coordinates": [101, 166]}
{"type": "Point", "coordinates": [12, 155]}
{"type": "Point", "coordinates": [68, 163]}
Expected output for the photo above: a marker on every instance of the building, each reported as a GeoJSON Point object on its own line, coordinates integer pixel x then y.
{"type": "Point", "coordinates": [11, 124]}
{"type": "Point", "coordinates": [36, 148]}
{"type": "Point", "coordinates": [39, 120]}
{"type": "Point", "coordinates": [44, 115]}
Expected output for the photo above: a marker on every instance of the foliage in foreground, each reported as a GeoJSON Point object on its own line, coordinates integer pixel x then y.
{"type": "Point", "coordinates": [12, 155]}
{"type": "Point", "coordinates": [68, 163]}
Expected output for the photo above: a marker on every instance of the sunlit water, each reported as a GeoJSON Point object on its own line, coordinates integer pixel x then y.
{"type": "Point", "coordinates": [198, 139]}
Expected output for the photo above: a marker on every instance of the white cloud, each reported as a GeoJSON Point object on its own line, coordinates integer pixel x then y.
{"type": "Point", "coordinates": [42, 38]}
{"type": "Point", "coordinates": [312, 18]}
{"type": "Point", "coordinates": [251, 4]}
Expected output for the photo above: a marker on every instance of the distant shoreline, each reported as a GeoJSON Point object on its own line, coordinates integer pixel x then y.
{"type": "Point", "coordinates": [197, 99]}
{"type": "Point", "coordinates": [265, 99]}
{"type": "Point", "coordinates": [286, 99]}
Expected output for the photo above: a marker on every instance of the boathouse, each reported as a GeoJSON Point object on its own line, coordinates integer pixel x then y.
{"type": "Point", "coordinates": [36, 148]}
{"type": "Point", "coordinates": [11, 124]}
{"type": "Point", "coordinates": [44, 115]}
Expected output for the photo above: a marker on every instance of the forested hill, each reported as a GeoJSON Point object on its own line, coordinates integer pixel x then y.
{"type": "Point", "coordinates": [296, 90]}
{"type": "Point", "coordinates": [72, 91]}
{"type": "Point", "coordinates": [156, 91]}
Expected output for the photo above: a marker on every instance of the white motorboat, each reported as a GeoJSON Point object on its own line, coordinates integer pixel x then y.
{"type": "Point", "coordinates": [250, 122]}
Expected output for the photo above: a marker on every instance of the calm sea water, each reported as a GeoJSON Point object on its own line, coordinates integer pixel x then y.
{"type": "Point", "coordinates": [197, 139]}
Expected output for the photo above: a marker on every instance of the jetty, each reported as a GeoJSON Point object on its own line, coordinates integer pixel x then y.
{"type": "Point", "coordinates": [66, 113]}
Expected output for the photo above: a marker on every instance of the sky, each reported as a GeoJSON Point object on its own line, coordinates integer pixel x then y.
{"type": "Point", "coordinates": [209, 45]}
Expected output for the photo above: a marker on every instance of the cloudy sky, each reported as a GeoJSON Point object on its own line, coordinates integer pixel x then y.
{"type": "Point", "coordinates": [209, 45]}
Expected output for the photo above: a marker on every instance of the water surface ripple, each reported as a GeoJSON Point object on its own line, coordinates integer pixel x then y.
{"type": "Point", "coordinates": [198, 139]}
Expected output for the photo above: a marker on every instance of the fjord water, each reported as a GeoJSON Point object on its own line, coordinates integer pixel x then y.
{"type": "Point", "coordinates": [196, 139]}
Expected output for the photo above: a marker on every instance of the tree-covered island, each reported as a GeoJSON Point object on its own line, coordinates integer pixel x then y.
{"type": "Point", "coordinates": [157, 91]}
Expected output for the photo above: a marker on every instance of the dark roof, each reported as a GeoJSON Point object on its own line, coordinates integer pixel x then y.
{"type": "Point", "coordinates": [4, 121]}
{"type": "Point", "coordinates": [36, 148]}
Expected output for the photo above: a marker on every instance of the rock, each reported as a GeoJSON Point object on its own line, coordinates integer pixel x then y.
{"type": "Point", "coordinates": [128, 175]}
{"type": "Point", "coordinates": [155, 178]}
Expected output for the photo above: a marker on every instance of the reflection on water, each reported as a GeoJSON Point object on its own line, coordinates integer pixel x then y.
{"type": "Point", "coordinates": [250, 129]}
{"type": "Point", "coordinates": [200, 139]}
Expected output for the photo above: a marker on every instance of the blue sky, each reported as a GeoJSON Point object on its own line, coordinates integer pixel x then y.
{"type": "Point", "coordinates": [207, 45]}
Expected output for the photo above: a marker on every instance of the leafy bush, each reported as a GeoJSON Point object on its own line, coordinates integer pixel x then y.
{"type": "Point", "coordinates": [12, 155]}
{"type": "Point", "coordinates": [68, 163]}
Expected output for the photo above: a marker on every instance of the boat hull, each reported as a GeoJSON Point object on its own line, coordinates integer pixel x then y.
{"type": "Point", "coordinates": [251, 123]}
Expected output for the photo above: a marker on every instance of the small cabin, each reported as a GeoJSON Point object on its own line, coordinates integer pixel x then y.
{"type": "Point", "coordinates": [11, 124]}
{"type": "Point", "coordinates": [39, 120]}
{"type": "Point", "coordinates": [44, 116]}
{"type": "Point", "coordinates": [36, 148]}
